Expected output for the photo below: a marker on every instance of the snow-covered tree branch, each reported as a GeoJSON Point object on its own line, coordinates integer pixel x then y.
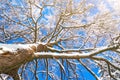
{"type": "Point", "coordinates": [53, 39]}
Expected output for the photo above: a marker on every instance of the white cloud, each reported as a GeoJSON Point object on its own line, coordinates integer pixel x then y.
{"type": "Point", "coordinates": [102, 7]}
{"type": "Point", "coordinates": [115, 4]}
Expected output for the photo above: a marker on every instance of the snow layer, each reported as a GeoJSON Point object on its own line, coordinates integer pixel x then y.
{"type": "Point", "coordinates": [14, 47]}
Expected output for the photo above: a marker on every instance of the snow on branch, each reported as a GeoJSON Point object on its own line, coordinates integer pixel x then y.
{"type": "Point", "coordinates": [60, 55]}
{"type": "Point", "coordinates": [43, 51]}
{"type": "Point", "coordinates": [73, 55]}
{"type": "Point", "coordinates": [12, 48]}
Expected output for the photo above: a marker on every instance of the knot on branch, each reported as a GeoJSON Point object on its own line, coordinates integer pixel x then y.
{"type": "Point", "coordinates": [42, 48]}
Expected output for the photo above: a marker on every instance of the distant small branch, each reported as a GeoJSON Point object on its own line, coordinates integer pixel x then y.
{"type": "Point", "coordinates": [96, 77]}
{"type": "Point", "coordinates": [105, 60]}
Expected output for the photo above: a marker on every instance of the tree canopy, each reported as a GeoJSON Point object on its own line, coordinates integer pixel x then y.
{"type": "Point", "coordinates": [59, 39]}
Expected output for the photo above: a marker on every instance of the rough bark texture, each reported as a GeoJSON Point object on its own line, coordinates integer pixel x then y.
{"type": "Point", "coordinates": [10, 63]}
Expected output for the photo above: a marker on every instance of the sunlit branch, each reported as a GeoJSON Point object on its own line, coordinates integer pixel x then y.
{"type": "Point", "coordinates": [109, 70]}
{"type": "Point", "coordinates": [92, 53]}
{"type": "Point", "coordinates": [96, 77]}
{"type": "Point", "coordinates": [36, 67]}
{"type": "Point", "coordinates": [5, 15]}
{"type": "Point", "coordinates": [79, 26]}
{"type": "Point", "coordinates": [61, 65]}
{"type": "Point", "coordinates": [57, 27]}
{"type": "Point", "coordinates": [76, 55]}
{"type": "Point", "coordinates": [108, 62]}
{"type": "Point", "coordinates": [47, 68]}
{"type": "Point", "coordinates": [73, 68]}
